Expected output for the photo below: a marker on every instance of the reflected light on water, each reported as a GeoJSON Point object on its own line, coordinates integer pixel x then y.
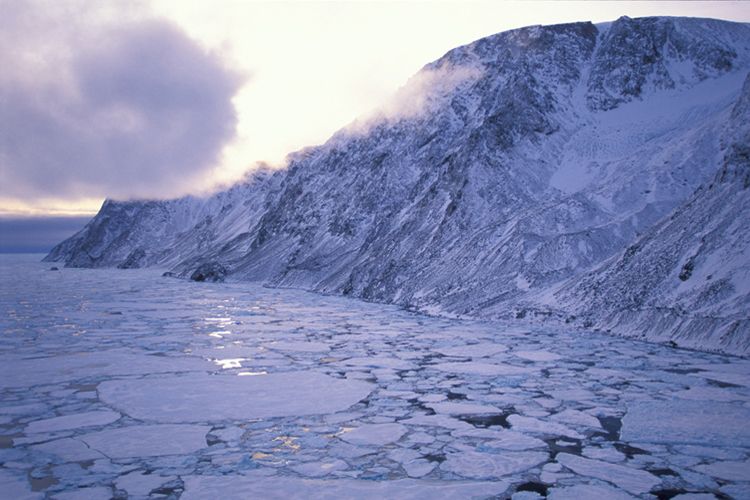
{"type": "Point", "coordinates": [252, 374]}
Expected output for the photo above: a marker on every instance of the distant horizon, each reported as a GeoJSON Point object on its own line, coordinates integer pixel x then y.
{"type": "Point", "coordinates": [37, 234]}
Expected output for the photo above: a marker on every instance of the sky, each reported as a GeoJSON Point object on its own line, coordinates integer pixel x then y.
{"type": "Point", "coordinates": [155, 99]}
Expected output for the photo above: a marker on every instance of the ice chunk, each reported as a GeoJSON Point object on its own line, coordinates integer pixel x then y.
{"type": "Point", "coordinates": [68, 450]}
{"type": "Point", "coordinates": [148, 440]}
{"type": "Point", "coordinates": [56, 369]}
{"type": "Point", "coordinates": [16, 487]}
{"type": "Point", "coordinates": [529, 424]}
{"type": "Point", "coordinates": [575, 417]}
{"type": "Point", "coordinates": [243, 487]}
{"type": "Point", "coordinates": [473, 350]}
{"type": "Point", "coordinates": [138, 484]}
{"type": "Point", "coordinates": [516, 441]}
{"type": "Point", "coordinates": [320, 469]}
{"type": "Point", "coordinates": [374, 434]}
{"type": "Point", "coordinates": [477, 465]}
{"type": "Point", "coordinates": [203, 397]}
{"type": "Point", "coordinates": [74, 421]}
{"type": "Point", "coordinates": [451, 408]}
{"type": "Point", "coordinates": [474, 368]}
{"type": "Point", "coordinates": [730, 471]}
{"type": "Point", "coordinates": [93, 493]}
{"type": "Point", "coordinates": [537, 355]}
{"type": "Point", "coordinates": [632, 480]}
{"type": "Point", "coordinates": [299, 346]}
{"type": "Point", "coordinates": [682, 421]}
{"type": "Point", "coordinates": [588, 492]}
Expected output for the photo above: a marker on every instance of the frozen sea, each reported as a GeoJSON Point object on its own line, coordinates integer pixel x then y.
{"type": "Point", "coordinates": [125, 384]}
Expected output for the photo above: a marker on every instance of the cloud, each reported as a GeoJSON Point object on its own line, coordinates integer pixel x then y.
{"type": "Point", "coordinates": [422, 94]}
{"type": "Point", "coordinates": [105, 101]}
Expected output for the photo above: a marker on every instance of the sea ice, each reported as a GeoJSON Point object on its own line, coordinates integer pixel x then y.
{"type": "Point", "coordinates": [472, 350]}
{"type": "Point", "coordinates": [74, 421]}
{"type": "Point", "coordinates": [537, 355]}
{"type": "Point", "coordinates": [475, 465]}
{"type": "Point", "coordinates": [682, 421]}
{"type": "Point", "coordinates": [633, 480]}
{"type": "Point", "coordinates": [474, 368]}
{"type": "Point", "coordinates": [138, 484]}
{"type": "Point", "coordinates": [374, 434]}
{"type": "Point", "coordinates": [203, 397]}
{"type": "Point", "coordinates": [730, 471]}
{"type": "Point", "coordinates": [68, 450]}
{"type": "Point", "coordinates": [148, 440]}
{"type": "Point", "coordinates": [56, 369]}
{"type": "Point", "coordinates": [92, 493]}
{"type": "Point", "coordinates": [588, 492]}
{"type": "Point", "coordinates": [272, 488]}
{"type": "Point", "coordinates": [529, 424]}
{"type": "Point", "coordinates": [16, 487]}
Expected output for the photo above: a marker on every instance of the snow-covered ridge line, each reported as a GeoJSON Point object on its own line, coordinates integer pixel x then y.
{"type": "Point", "coordinates": [534, 163]}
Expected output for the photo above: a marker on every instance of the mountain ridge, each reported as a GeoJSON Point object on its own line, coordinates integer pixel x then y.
{"type": "Point", "coordinates": [505, 171]}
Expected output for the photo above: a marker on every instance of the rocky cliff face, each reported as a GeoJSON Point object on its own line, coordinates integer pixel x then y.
{"type": "Point", "coordinates": [505, 179]}
{"type": "Point", "coordinates": [687, 279]}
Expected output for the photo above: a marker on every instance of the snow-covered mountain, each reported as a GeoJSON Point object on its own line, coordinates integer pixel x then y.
{"type": "Point", "coordinates": [567, 172]}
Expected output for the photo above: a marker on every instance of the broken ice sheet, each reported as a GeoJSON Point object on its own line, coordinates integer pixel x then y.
{"type": "Point", "coordinates": [417, 397]}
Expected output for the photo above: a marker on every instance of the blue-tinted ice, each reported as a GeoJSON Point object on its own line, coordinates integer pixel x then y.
{"type": "Point", "coordinates": [123, 383]}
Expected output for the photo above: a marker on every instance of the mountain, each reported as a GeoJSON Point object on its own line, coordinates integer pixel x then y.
{"type": "Point", "coordinates": [543, 172]}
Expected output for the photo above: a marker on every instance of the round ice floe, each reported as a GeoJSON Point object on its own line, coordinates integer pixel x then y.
{"type": "Point", "coordinates": [204, 398]}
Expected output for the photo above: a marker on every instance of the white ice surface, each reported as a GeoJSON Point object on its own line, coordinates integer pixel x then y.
{"type": "Point", "coordinates": [682, 421]}
{"type": "Point", "coordinates": [588, 492]}
{"type": "Point", "coordinates": [15, 487]}
{"type": "Point", "coordinates": [74, 421]}
{"type": "Point", "coordinates": [374, 434]}
{"type": "Point", "coordinates": [483, 368]}
{"type": "Point", "coordinates": [203, 397]}
{"type": "Point", "coordinates": [148, 440]}
{"type": "Point", "coordinates": [473, 350]}
{"type": "Point", "coordinates": [477, 465]}
{"type": "Point", "coordinates": [271, 488]}
{"type": "Point", "coordinates": [139, 484]}
{"type": "Point", "coordinates": [632, 480]}
{"type": "Point", "coordinates": [56, 369]}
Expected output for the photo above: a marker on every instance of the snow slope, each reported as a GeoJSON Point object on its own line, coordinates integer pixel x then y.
{"type": "Point", "coordinates": [499, 176]}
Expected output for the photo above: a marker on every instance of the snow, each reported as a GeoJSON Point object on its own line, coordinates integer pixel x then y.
{"type": "Point", "coordinates": [203, 397]}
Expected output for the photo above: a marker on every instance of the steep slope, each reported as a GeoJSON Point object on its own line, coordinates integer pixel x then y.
{"type": "Point", "coordinates": [688, 278]}
{"type": "Point", "coordinates": [503, 169]}
{"type": "Point", "coordinates": [145, 233]}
